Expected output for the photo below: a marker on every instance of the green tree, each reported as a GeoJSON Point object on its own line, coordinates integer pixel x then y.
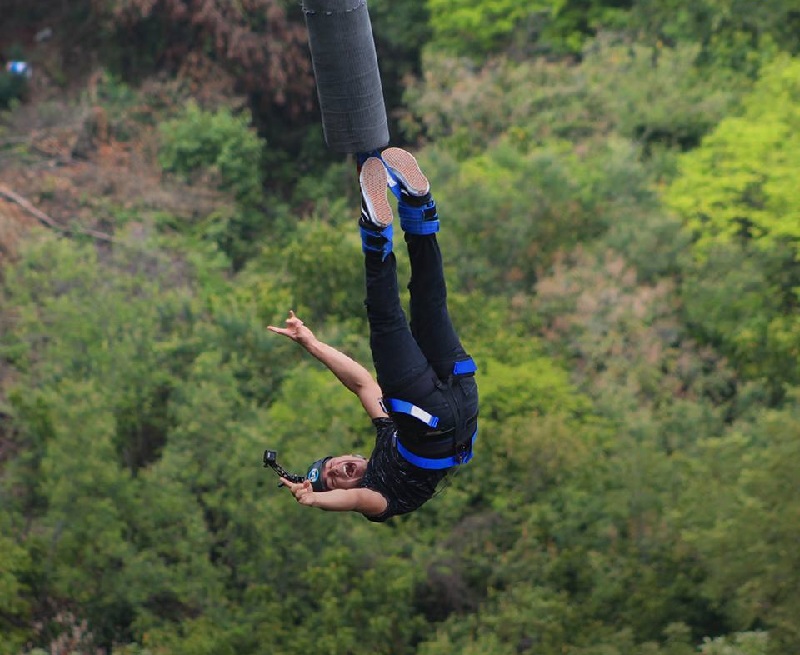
{"type": "Point", "coordinates": [464, 108]}
{"type": "Point", "coordinates": [734, 299]}
{"type": "Point", "coordinates": [570, 23]}
{"type": "Point", "coordinates": [739, 186]}
{"type": "Point", "coordinates": [15, 606]}
{"type": "Point", "coordinates": [732, 33]}
{"type": "Point", "coordinates": [735, 194]}
{"type": "Point", "coordinates": [512, 210]}
{"type": "Point", "coordinates": [657, 96]}
{"type": "Point", "coordinates": [89, 497]}
{"type": "Point", "coordinates": [120, 323]}
{"type": "Point", "coordinates": [200, 140]}
{"type": "Point", "coordinates": [223, 147]}
{"type": "Point", "coordinates": [325, 272]}
{"type": "Point", "coordinates": [740, 643]}
{"type": "Point", "coordinates": [739, 514]}
{"type": "Point", "coordinates": [474, 28]}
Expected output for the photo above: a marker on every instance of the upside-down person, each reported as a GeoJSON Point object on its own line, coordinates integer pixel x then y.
{"type": "Point", "coordinates": [424, 404]}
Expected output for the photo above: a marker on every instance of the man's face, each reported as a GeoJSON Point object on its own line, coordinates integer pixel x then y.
{"type": "Point", "coordinates": [344, 471]}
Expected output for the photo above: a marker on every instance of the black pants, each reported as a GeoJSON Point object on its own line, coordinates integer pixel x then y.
{"type": "Point", "coordinates": [415, 361]}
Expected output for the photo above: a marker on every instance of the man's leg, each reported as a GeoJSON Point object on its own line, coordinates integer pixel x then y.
{"type": "Point", "coordinates": [403, 371]}
{"type": "Point", "coordinates": [411, 362]}
{"type": "Point", "coordinates": [397, 356]}
{"type": "Point", "coordinates": [430, 319]}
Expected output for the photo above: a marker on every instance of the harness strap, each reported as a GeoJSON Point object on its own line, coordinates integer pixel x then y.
{"type": "Point", "coordinates": [405, 407]}
{"type": "Point", "coordinates": [440, 462]}
{"type": "Point", "coordinates": [465, 367]}
{"type": "Point", "coordinates": [461, 443]}
{"type": "Point", "coordinates": [462, 447]}
{"type": "Point", "coordinates": [418, 220]}
{"type": "Point", "coordinates": [377, 240]}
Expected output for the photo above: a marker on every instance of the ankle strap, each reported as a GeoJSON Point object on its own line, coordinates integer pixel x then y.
{"type": "Point", "coordinates": [423, 219]}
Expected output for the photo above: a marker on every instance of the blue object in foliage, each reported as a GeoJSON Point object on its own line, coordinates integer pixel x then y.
{"type": "Point", "coordinates": [21, 68]}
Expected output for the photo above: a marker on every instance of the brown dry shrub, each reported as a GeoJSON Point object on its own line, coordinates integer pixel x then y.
{"type": "Point", "coordinates": [257, 39]}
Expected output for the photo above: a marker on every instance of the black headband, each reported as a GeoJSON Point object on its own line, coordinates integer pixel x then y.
{"type": "Point", "coordinates": [314, 475]}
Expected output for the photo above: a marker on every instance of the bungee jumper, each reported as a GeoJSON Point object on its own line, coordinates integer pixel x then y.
{"type": "Point", "coordinates": [424, 403]}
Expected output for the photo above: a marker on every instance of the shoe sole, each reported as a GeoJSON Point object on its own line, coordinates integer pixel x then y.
{"type": "Point", "coordinates": [407, 169]}
{"type": "Point", "coordinates": [373, 187]}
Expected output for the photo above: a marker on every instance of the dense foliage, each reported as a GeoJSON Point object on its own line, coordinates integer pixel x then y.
{"type": "Point", "coordinates": [617, 186]}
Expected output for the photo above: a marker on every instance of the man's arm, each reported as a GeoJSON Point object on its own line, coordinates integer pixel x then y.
{"type": "Point", "coordinates": [349, 372]}
{"type": "Point", "coordinates": [365, 501]}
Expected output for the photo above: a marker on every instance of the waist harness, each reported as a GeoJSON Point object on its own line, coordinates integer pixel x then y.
{"type": "Point", "coordinates": [454, 446]}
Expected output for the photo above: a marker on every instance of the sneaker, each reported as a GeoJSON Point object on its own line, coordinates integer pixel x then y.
{"type": "Point", "coordinates": [405, 176]}
{"type": "Point", "coordinates": [415, 205]}
{"type": "Point", "coordinates": [376, 212]}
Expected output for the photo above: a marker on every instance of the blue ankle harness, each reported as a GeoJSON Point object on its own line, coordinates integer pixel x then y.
{"type": "Point", "coordinates": [419, 219]}
{"type": "Point", "coordinates": [455, 446]}
{"type": "Point", "coordinates": [375, 239]}
{"type": "Point", "coordinates": [418, 214]}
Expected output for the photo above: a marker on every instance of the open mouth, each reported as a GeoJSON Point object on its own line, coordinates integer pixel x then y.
{"type": "Point", "coordinates": [349, 469]}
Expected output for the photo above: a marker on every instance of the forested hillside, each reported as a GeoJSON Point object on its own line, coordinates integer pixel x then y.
{"type": "Point", "coordinates": [618, 187]}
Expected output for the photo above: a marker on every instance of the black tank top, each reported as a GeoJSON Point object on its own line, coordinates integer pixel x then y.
{"type": "Point", "coordinates": [406, 487]}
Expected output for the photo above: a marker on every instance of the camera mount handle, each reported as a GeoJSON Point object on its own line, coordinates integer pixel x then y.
{"type": "Point", "coordinates": [270, 461]}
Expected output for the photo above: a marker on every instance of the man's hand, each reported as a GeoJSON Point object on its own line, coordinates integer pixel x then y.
{"type": "Point", "coordinates": [295, 329]}
{"type": "Point", "coordinates": [365, 501]}
{"type": "Point", "coordinates": [302, 491]}
{"type": "Point", "coordinates": [349, 372]}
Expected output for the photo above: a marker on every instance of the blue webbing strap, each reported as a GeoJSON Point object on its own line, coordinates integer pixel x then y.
{"type": "Point", "coordinates": [404, 407]}
{"type": "Point", "coordinates": [465, 367]}
{"type": "Point", "coordinates": [377, 240]}
{"type": "Point", "coordinates": [419, 220]}
{"type": "Point", "coordinates": [438, 463]}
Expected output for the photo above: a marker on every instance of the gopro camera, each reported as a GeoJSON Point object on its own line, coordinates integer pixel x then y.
{"type": "Point", "coordinates": [271, 461]}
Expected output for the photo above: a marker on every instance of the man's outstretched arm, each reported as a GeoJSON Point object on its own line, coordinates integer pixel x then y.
{"type": "Point", "coordinates": [349, 372]}
{"type": "Point", "coordinates": [365, 501]}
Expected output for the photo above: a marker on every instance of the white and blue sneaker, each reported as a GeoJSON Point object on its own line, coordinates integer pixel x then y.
{"type": "Point", "coordinates": [376, 212]}
{"type": "Point", "coordinates": [406, 179]}
{"type": "Point", "coordinates": [408, 183]}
